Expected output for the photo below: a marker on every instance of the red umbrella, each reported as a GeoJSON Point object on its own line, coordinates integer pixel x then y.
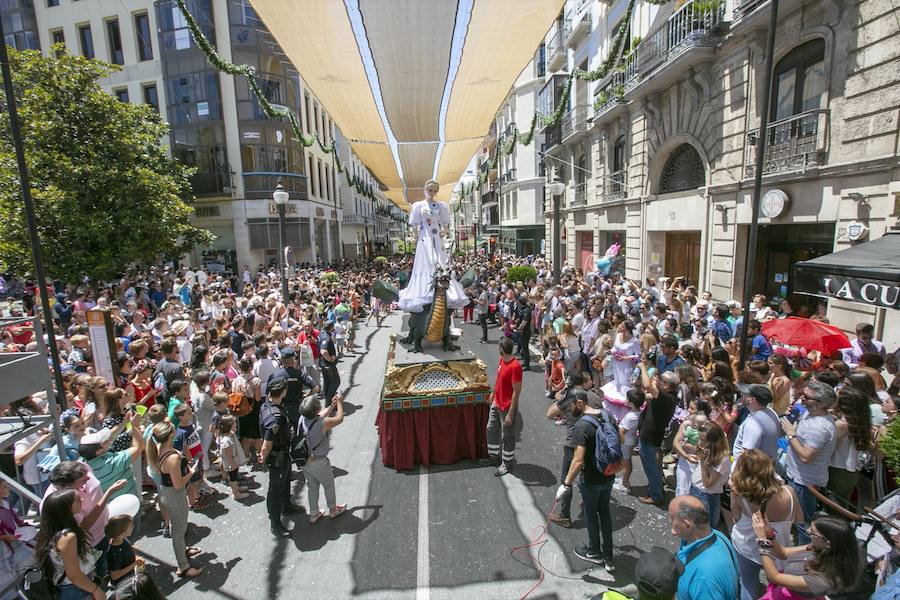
{"type": "Point", "coordinates": [806, 333]}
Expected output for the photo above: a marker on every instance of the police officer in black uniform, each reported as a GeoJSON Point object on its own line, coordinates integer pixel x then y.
{"type": "Point", "coordinates": [331, 379]}
{"type": "Point", "coordinates": [276, 435]}
{"type": "Point", "coordinates": [296, 381]}
{"type": "Point", "coordinates": [523, 327]}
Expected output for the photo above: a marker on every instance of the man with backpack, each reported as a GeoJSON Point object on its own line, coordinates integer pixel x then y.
{"type": "Point", "coordinates": [561, 408]}
{"type": "Point", "coordinates": [598, 454]}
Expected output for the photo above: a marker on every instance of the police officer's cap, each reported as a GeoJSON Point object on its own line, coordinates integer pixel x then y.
{"type": "Point", "coordinates": [277, 387]}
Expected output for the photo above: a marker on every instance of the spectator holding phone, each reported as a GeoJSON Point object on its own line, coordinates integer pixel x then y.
{"type": "Point", "coordinates": [174, 476]}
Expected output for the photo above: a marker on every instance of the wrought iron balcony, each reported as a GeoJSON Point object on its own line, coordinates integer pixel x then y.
{"type": "Point", "coordinates": [615, 186]}
{"type": "Point", "coordinates": [553, 137]}
{"type": "Point", "coordinates": [577, 27]}
{"type": "Point", "coordinates": [575, 122]}
{"type": "Point", "coordinates": [745, 7]}
{"type": "Point", "coordinates": [492, 133]}
{"type": "Point", "coordinates": [259, 185]}
{"type": "Point", "coordinates": [557, 57]}
{"type": "Point", "coordinates": [698, 23]}
{"type": "Point", "coordinates": [579, 195]}
{"type": "Point", "coordinates": [792, 144]}
{"type": "Point", "coordinates": [508, 177]}
{"type": "Point", "coordinates": [353, 219]}
{"type": "Point", "coordinates": [609, 95]}
{"type": "Point", "coordinates": [508, 131]}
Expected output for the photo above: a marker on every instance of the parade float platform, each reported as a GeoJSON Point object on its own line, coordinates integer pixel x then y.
{"type": "Point", "coordinates": [434, 406]}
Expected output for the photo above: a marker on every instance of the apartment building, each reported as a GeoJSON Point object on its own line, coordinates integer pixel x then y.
{"type": "Point", "coordinates": [464, 210]}
{"type": "Point", "coordinates": [358, 221]}
{"type": "Point", "coordinates": [486, 222]}
{"type": "Point", "coordinates": [216, 125]}
{"type": "Point", "coordinates": [664, 148]}
{"type": "Point", "coordinates": [520, 186]}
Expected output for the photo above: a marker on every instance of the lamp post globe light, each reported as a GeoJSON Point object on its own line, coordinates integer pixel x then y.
{"type": "Point", "coordinates": [556, 189]}
{"type": "Point", "coordinates": [281, 197]}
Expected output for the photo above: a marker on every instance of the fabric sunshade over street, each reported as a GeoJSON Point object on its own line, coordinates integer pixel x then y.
{"type": "Point", "coordinates": [868, 273]}
{"type": "Point", "coordinates": [475, 49]}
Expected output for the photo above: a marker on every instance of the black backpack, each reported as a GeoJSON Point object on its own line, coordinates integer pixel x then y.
{"type": "Point", "coordinates": [35, 585]}
{"type": "Point", "coordinates": [300, 451]}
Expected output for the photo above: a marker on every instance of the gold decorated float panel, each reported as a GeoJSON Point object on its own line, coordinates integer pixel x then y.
{"type": "Point", "coordinates": [446, 381]}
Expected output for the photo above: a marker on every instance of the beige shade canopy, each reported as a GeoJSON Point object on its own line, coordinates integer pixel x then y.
{"type": "Point", "coordinates": [410, 42]}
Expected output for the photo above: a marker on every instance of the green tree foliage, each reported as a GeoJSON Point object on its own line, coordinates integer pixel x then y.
{"type": "Point", "coordinates": [889, 444]}
{"type": "Point", "coordinates": [521, 273]}
{"type": "Point", "coordinates": [106, 194]}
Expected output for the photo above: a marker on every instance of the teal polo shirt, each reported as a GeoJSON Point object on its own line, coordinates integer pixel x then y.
{"type": "Point", "coordinates": [712, 574]}
{"type": "Point", "coordinates": [110, 467]}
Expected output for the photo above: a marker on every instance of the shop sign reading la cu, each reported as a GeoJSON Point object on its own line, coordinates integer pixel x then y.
{"type": "Point", "coordinates": [869, 292]}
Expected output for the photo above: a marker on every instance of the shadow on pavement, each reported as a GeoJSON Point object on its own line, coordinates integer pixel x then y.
{"type": "Point", "coordinates": [534, 475]}
{"type": "Point", "coordinates": [307, 537]}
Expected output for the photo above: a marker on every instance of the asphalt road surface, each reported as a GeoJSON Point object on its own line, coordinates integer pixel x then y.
{"type": "Point", "coordinates": [441, 533]}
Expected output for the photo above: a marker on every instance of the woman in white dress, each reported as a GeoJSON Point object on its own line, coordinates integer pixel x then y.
{"type": "Point", "coordinates": [626, 354]}
{"type": "Point", "coordinates": [430, 218]}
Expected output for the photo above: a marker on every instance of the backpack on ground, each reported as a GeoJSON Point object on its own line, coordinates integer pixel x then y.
{"type": "Point", "coordinates": [238, 404]}
{"type": "Point", "coordinates": [300, 450]}
{"type": "Point", "coordinates": [607, 447]}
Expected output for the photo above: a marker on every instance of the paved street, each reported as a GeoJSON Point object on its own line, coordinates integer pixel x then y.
{"type": "Point", "coordinates": [444, 533]}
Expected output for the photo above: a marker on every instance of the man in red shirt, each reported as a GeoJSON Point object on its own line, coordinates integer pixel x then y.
{"type": "Point", "coordinates": [504, 408]}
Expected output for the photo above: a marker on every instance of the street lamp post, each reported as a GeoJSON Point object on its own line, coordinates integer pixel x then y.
{"type": "Point", "coordinates": [281, 197]}
{"type": "Point", "coordinates": [556, 191]}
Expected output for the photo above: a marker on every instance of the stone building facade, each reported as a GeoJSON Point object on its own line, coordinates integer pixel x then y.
{"type": "Point", "coordinates": [665, 148]}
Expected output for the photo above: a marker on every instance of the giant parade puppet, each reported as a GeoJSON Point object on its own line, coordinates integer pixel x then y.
{"type": "Point", "coordinates": [433, 382]}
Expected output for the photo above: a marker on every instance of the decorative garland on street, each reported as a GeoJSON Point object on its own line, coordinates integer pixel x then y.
{"type": "Point", "coordinates": [603, 69]}
{"type": "Point", "coordinates": [216, 60]}
{"type": "Point", "coordinates": [506, 147]}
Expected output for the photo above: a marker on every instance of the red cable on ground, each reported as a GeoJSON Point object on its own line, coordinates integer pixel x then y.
{"type": "Point", "coordinates": [538, 542]}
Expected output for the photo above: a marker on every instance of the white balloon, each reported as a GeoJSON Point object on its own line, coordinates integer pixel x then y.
{"type": "Point", "coordinates": [126, 504]}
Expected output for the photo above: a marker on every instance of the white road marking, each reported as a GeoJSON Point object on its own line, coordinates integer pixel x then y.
{"type": "Point", "coordinates": [423, 554]}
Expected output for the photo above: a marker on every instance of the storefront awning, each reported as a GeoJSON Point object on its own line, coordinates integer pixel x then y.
{"type": "Point", "coordinates": [867, 273]}
{"type": "Point", "coordinates": [436, 70]}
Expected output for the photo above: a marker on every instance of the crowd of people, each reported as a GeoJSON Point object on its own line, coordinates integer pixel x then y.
{"type": "Point", "coordinates": [213, 372]}
{"type": "Point", "coordinates": [754, 452]}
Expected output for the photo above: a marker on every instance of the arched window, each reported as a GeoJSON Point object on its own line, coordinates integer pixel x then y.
{"type": "Point", "coordinates": [683, 171]}
{"type": "Point", "coordinates": [799, 80]}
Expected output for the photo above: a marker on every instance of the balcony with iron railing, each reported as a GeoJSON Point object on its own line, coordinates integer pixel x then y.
{"type": "Point", "coordinates": [575, 123]}
{"type": "Point", "coordinates": [213, 183]}
{"type": "Point", "coordinates": [488, 199]}
{"type": "Point", "coordinates": [580, 194]}
{"type": "Point", "coordinates": [259, 185]}
{"type": "Point", "coordinates": [508, 130]}
{"type": "Point", "coordinates": [609, 98]}
{"type": "Point", "coordinates": [577, 27]}
{"type": "Point", "coordinates": [689, 35]}
{"type": "Point", "coordinates": [508, 177]}
{"type": "Point", "coordinates": [491, 134]}
{"type": "Point", "coordinates": [553, 137]}
{"type": "Point", "coordinates": [748, 15]}
{"type": "Point", "coordinates": [557, 56]}
{"type": "Point", "coordinates": [354, 219]}
{"type": "Point", "coordinates": [793, 144]}
{"type": "Point", "coordinates": [614, 188]}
